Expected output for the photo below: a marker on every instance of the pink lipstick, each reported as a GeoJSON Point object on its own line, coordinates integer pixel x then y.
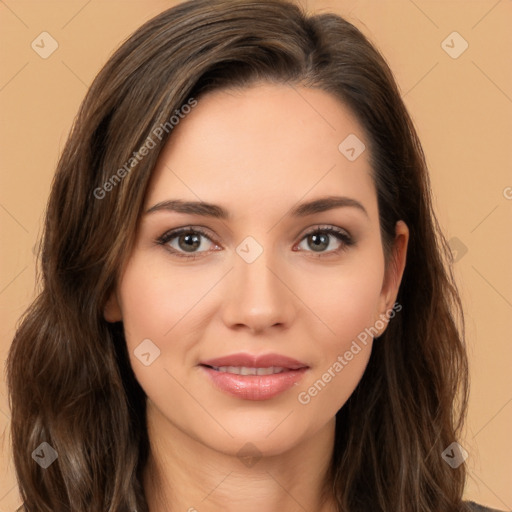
{"type": "Point", "coordinates": [253, 377]}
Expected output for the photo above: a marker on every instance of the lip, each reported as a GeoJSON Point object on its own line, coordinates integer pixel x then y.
{"type": "Point", "coordinates": [254, 387]}
{"type": "Point", "coordinates": [256, 361]}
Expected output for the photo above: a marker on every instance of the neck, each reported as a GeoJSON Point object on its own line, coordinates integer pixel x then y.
{"type": "Point", "coordinates": [183, 474]}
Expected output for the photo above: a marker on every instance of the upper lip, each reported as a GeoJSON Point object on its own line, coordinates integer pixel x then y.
{"type": "Point", "coordinates": [256, 361]}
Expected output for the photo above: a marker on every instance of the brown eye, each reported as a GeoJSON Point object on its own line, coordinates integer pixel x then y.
{"type": "Point", "coordinates": [328, 240]}
{"type": "Point", "coordinates": [318, 242]}
{"type": "Point", "coordinates": [187, 242]}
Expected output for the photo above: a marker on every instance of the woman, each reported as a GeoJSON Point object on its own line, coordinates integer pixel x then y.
{"type": "Point", "coordinates": [246, 299]}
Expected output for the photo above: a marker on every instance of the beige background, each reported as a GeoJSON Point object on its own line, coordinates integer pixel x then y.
{"type": "Point", "coordinates": [462, 108]}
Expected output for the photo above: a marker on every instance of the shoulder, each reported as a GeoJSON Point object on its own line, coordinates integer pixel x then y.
{"type": "Point", "coordinates": [475, 507]}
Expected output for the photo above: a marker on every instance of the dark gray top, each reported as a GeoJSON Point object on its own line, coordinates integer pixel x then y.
{"type": "Point", "coordinates": [475, 507]}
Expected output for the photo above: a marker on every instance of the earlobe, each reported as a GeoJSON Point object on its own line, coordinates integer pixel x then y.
{"type": "Point", "coordinates": [395, 268]}
{"type": "Point", "coordinates": [112, 311]}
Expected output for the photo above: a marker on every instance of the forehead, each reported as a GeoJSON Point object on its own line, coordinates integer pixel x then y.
{"type": "Point", "coordinates": [262, 146]}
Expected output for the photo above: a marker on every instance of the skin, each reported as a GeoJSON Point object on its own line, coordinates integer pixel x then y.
{"type": "Point", "coordinates": [257, 153]}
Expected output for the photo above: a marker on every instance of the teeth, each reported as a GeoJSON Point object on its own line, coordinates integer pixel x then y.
{"type": "Point", "coordinates": [245, 370]}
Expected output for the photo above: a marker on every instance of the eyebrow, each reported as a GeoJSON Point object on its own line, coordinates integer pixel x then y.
{"type": "Point", "coordinates": [212, 210]}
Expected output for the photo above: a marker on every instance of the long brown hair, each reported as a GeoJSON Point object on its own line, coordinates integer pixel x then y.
{"type": "Point", "coordinates": [69, 377]}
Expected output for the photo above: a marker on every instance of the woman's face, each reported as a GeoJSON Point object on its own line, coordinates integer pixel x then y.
{"type": "Point", "coordinates": [288, 267]}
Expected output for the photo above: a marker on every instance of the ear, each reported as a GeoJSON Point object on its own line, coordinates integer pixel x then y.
{"type": "Point", "coordinates": [395, 269]}
{"type": "Point", "coordinates": [112, 311]}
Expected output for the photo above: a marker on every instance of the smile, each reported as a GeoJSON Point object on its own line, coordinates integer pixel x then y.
{"type": "Point", "coordinates": [253, 376]}
{"type": "Point", "coordinates": [246, 370]}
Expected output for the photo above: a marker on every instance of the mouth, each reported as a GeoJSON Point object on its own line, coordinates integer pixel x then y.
{"type": "Point", "coordinates": [254, 377]}
{"type": "Point", "coordinates": [246, 370]}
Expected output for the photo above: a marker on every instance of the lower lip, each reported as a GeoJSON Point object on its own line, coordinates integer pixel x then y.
{"type": "Point", "coordinates": [254, 387]}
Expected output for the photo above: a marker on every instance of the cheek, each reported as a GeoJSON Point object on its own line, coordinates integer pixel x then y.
{"type": "Point", "coordinates": [344, 354]}
{"type": "Point", "coordinates": [166, 306]}
{"type": "Point", "coordinates": [347, 300]}
{"type": "Point", "coordinates": [156, 299]}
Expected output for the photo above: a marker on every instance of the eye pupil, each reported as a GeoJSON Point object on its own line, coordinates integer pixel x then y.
{"type": "Point", "coordinates": [191, 242]}
{"type": "Point", "coordinates": [319, 241]}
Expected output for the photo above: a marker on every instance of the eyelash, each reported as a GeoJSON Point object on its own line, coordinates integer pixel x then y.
{"type": "Point", "coordinates": [338, 233]}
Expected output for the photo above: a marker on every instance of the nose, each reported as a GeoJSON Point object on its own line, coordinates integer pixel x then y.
{"type": "Point", "coordinates": [257, 297]}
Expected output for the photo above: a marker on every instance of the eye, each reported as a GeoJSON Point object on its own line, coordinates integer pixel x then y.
{"type": "Point", "coordinates": [186, 242]}
{"type": "Point", "coordinates": [326, 239]}
{"type": "Point", "coordinates": [190, 242]}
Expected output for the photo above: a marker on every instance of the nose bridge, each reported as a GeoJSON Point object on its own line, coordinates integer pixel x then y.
{"type": "Point", "coordinates": [257, 298]}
